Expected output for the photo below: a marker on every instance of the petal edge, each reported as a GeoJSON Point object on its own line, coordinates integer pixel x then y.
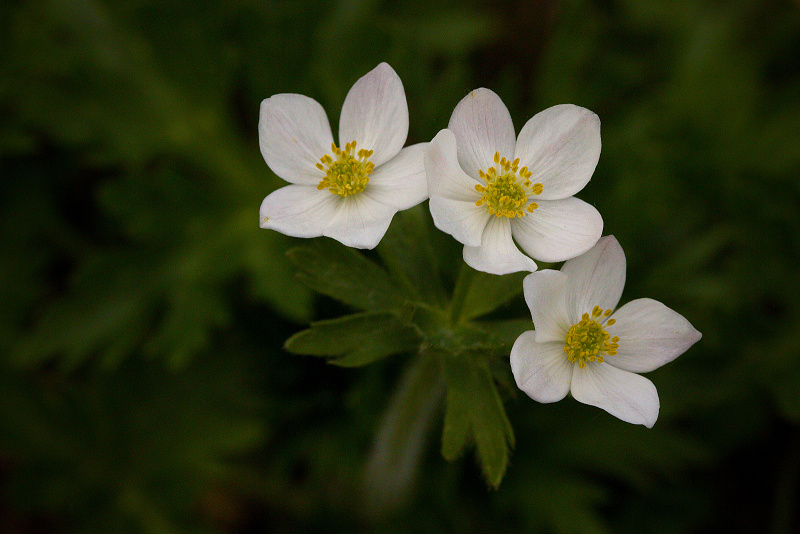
{"type": "Point", "coordinates": [558, 229]}
{"type": "Point", "coordinates": [651, 335]}
{"type": "Point", "coordinates": [626, 396]}
{"type": "Point", "coordinates": [293, 134]}
{"type": "Point", "coordinates": [482, 126]}
{"type": "Point", "coordinates": [561, 148]}
{"type": "Point", "coordinates": [541, 370]}
{"type": "Point", "coordinates": [375, 114]}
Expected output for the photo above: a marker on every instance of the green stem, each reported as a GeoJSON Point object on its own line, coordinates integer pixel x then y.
{"type": "Point", "coordinates": [463, 284]}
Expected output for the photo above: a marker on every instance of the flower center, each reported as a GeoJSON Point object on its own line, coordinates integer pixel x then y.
{"type": "Point", "coordinates": [347, 174]}
{"type": "Point", "coordinates": [507, 188]}
{"type": "Point", "coordinates": [588, 341]}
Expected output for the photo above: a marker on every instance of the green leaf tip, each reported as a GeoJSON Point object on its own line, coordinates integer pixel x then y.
{"type": "Point", "coordinates": [474, 409]}
{"type": "Point", "coordinates": [356, 340]}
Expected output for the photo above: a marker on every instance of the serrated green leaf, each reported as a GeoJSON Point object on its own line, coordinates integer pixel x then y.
{"type": "Point", "coordinates": [474, 408]}
{"type": "Point", "coordinates": [359, 339]}
{"type": "Point", "coordinates": [346, 275]}
{"type": "Point", "coordinates": [456, 431]}
{"type": "Point", "coordinates": [440, 334]}
{"type": "Point", "coordinates": [393, 463]}
{"type": "Point", "coordinates": [409, 256]}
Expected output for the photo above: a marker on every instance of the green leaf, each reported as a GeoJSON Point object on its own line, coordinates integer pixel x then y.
{"type": "Point", "coordinates": [474, 408]}
{"type": "Point", "coordinates": [346, 275]}
{"type": "Point", "coordinates": [393, 463]}
{"type": "Point", "coordinates": [438, 332]}
{"type": "Point", "coordinates": [487, 292]}
{"type": "Point", "coordinates": [359, 339]}
{"type": "Point", "coordinates": [410, 257]}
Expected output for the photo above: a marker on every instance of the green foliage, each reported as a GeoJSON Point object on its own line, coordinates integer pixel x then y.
{"type": "Point", "coordinates": [133, 451]}
{"type": "Point", "coordinates": [487, 292]}
{"type": "Point", "coordinates": [344, 274]}
{"type": "Point", "coordinates": [474, 409]}
{"type": "Point", "coordinates": [144, 388]}
{"type": "Point", "coordinates": [359, 339]}
{"type": "Point", "coordinates": [406, 319]}
{"type": "Point", "coordinates": [410, 257]}
{"type": "Point", "coordinates": [175, 189]}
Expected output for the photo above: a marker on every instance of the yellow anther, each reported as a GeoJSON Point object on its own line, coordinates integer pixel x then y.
{"type": "Point", "coordinates": [507, 189]}
{"type": "Point", "coordinates": [347, 175]}
{"type": "Point", "coordinates": [588, 341]}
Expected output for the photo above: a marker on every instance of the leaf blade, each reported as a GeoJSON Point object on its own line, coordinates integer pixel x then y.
{"type": "Point", "coordinates": [346, 275]}
{"type": "Point", "coordinates": [474, 408]}
{"type": "Point", "coordinates": [407, 251]}
{"type": "Point", "coordinates": [357, 339]}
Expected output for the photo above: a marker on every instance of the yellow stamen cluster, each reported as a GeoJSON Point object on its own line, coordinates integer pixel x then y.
{"type": "Point", "coordinates": [587, 341]}
{"type": "Point", "coordinates": [347, 174]}
{"type": "Point", "coordinates": [507, 188]}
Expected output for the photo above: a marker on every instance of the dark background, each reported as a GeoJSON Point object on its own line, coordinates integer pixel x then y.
{"type": "Point", "coordinates": [143, 385]}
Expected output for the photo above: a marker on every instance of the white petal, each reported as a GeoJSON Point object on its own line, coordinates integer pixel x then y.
{"type": "Point", "coordinates": [298, 210]}
{"type": "Point", "coordinates": [375, 114]}
{"type": "Point", "coordinates": [360, 221]}
{"type": "Point", "coordinates": [624, 395]}
{"type": "Point", "coordinates": [541, 370]}
{"type": "Point", "coordinates": [400, 182]}
{"type": "Point", "coordinates": [482, 126]}
{"type": "Point", "coordinates": [453, 193]}
{"type": "Point", "coordinates": [546, 296]}
{"type": "Point", "coordinates": [464, 221]}
{"type": "Point", "coordinates": [651, 335]}
{"type": "Point", "coordinates": [596, 278]}
{"type": "Point", "coordinates": [561, 147]}
{"type": "Point", "coordinates": [558, 229]}
{"type": "Point", "coordinates": [294, 133]}
{"type": "Point", "coordinates": [446, 179]}
{"type": "Point", "coordinates": [497, 253]}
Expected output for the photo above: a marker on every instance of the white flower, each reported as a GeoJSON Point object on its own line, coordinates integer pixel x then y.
{"type": "Point", "coordinates": [582, 346]}
{"type": "Point", "coordinates": [349, 192]}
{"type": "Point", "coordinates": [487, 186]}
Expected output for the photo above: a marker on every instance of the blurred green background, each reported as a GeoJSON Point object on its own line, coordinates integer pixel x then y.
{"type": "Point", "coordinates": [144, 387]}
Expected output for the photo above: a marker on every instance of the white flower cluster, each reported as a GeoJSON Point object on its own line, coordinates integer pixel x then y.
{"type": "Point", "coordinates": [508, 199]}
